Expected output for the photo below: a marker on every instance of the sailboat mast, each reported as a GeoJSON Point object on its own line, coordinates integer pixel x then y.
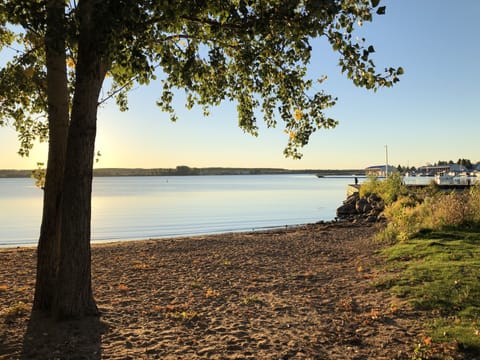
{"type": "Point", "coordinates": [386, 161]}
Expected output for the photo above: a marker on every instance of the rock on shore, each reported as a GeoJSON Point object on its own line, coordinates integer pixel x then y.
{"type": "Point", "coordinates": [367, 208]}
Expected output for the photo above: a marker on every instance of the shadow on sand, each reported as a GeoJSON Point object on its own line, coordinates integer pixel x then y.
{"type": "Point", "coordinates": [75, 339]}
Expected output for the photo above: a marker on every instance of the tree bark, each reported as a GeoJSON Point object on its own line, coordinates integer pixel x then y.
{"type": "Point", "coordinates": [58, 118]}
{"type": "Point", "coordinates": [73, 292]}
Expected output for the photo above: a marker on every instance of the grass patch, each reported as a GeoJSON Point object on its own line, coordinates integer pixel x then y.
{"type": "Point", "coordinates": [439, 272]}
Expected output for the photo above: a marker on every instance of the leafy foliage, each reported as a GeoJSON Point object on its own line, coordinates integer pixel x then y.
{"type": "Point", "coordinates": [413, 213]}
{"type": "Point", "coordinates": [39, 175]}
{"type": "Point", "coordinates": [254, 53]}
{"type": "Point", "coordinates": [389, 189]}
{"type": "Point", "coordinates": [22, 95]}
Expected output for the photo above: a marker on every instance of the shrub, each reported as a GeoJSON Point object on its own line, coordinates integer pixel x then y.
{"type": "Point", "coordinates": [389, 189]}
{"type": "Point", "coordinates": [371, 186]}
{"type": "Point", "coordinates": [451, 210]}
{"type": "Point", "coordinates": [393, 188]}
{"type": "Point", "coordinates": [408, 215]}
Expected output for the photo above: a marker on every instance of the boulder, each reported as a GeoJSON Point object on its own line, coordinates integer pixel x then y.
{"type": "Point", "coordinates": [348, 208]}
{"type": "Point", "coordinates": [363, 206]}
{"type": "Point", "coordinates": [367, 208]}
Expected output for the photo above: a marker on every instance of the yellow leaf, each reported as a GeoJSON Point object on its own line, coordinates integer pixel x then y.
{"type": "Point", "coordinates": [394, 308]}
{"type": "Point", "coordinates": [427, 340]}
{"type": "Point", "coordinates": [70, 63]}
{"type": "Point", "coordinates": [123, 288]}
{"type": "Point", "coordinates": [298, 114]}
{"type": "Point", "coordinates": [322, 79]}
{"type": "Point", "coordinates": [212, 293]}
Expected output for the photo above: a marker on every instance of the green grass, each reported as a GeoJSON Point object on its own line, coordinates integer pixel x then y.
{"type": "Point", "coordinates": [439, 272]}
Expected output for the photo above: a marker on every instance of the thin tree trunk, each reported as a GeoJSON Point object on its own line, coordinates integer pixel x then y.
{"type": "Point", "coordinates": [74, 296]}
{"type": "Point", "coordinates": [58, 117]}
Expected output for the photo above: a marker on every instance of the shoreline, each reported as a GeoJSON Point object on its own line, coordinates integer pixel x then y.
{"type": "Point", "coordinates": [191, 171]}
{"type": "Point", "coordinates": [180, 236]}
{"type": "Point", "coordinates": [167, 237]}
{"type": "Point", "coordinates": [304, 293]}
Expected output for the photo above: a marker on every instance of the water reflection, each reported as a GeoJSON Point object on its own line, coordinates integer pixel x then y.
{"type": "Point", "coordinates": [146, 207]}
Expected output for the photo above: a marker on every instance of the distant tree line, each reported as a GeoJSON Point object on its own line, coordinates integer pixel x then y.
{"type": "Point", "coordinates": [190, 171]}
{"type": "Point", "coordinates": [469, 165]}
{"type": "Point", "coordinates": [465, 162]}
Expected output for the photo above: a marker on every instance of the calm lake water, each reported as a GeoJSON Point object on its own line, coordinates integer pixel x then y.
{"type": "Point", "coordinates": [150, 207]}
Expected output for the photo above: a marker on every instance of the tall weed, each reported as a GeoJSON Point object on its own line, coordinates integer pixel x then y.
{"type": "Point", "coordinates": [451, 210]}
{"type": "Point", "coordinates": [474, 203]}
{"type": "Point", "coordinates": [410, 214]}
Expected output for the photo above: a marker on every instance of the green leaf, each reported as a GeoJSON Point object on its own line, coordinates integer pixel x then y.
{"type": "Point", "coordinates": [240, 53]}
{"type": "Point", "coordinates": [400, 71]}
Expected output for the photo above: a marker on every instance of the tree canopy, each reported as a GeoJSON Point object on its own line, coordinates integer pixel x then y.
{"type": "Point", "coordinates": [254, 53]}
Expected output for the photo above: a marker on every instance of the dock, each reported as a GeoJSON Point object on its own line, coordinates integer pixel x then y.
{"type": "Point", "coordinates": [354, 188]}
{"type": "Point", "coordinates": [443, 187]}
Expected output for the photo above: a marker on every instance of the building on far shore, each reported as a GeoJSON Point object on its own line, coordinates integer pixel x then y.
{"type": "Point", "coordinates": [380, 170]}
{"type": "Point", "coordinates": [432, 170]}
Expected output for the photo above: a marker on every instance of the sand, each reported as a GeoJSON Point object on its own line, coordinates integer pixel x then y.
{"type": "Point", "coordinates": [305, 292]}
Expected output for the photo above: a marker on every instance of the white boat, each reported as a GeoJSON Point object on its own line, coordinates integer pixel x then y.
{"type": "Point", "coordinates": [450, 179]}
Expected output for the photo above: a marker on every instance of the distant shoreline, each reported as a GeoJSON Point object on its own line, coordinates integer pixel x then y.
{"type": "Point", "coordinates": [191, 171]}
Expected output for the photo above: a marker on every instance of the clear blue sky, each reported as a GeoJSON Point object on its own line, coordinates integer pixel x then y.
{"type": "Point", "coordinates": [431, 115]}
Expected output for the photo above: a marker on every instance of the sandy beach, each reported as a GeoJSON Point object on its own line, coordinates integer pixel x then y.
{"type": "Point", "coordinates": [305, 292]}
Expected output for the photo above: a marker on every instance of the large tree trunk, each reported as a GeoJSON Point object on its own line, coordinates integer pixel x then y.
{"type": "Point", "coordinates": [58, 117]}
{"type": "Point", "coordinates": [74, 296]}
